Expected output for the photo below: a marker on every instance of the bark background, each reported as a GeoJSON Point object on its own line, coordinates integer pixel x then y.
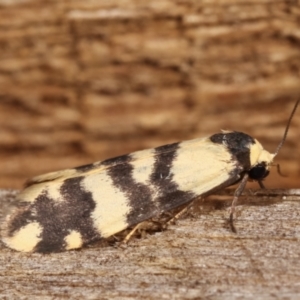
{"type": "Point", "coordinates": [86, 80]}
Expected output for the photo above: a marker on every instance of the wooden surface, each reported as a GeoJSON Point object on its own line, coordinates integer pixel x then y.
{"type": "Point", "coordinates": [81, 81]}
{"type": "Point", "coordinates": [86, 80]}
{"type": "Point", "coordinates": [197, 258]}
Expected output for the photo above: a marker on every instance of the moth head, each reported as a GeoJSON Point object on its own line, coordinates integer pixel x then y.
{"type": "Point", "coordinates": [260, 159]}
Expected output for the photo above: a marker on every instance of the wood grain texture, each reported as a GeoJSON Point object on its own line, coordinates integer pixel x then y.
{"type": "Point", "coordinates": [83, 81]}
{"type": "Point", "coordinates": [86, 80]}
{"type": "Point", "coordinates": [194, 259]}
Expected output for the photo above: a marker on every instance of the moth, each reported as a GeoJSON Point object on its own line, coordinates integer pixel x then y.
{"type": "Point", "coordinates": [68, 209]}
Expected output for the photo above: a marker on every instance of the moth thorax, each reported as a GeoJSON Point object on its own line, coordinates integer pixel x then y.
{"type": "Point", "coordinates": [260, 160]}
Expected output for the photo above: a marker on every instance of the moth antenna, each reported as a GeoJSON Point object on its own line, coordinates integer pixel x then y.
{"type": "Point", "coordinates": [287, 128]}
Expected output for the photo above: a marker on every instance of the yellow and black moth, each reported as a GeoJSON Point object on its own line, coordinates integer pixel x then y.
{"type": "Point", "coordinates": [70, 208]}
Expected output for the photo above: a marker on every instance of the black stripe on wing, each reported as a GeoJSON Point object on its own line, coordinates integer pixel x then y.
{"type": "Point", "coordinates": [162, 178]}
{"type": "Point", "coordinates": [139, 195]}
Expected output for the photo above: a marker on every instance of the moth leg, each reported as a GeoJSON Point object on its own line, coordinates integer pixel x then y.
{"type": "Point", "coordinates": [236, 195]}
{"type": "Point", "coordinates": [262, 186]}
{"type": "Point", "coordinates": [180, 213]}
{"type": "Point", "coordinates": [133, 230]}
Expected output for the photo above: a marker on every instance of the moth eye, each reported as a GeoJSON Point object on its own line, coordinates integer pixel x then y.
{"type": "Point", "coordinates": [259, 172]}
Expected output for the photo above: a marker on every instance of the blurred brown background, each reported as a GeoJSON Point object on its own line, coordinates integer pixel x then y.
{"type": "Point", "coordinates": [81, 81]}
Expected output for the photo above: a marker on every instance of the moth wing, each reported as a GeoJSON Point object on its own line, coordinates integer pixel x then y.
{"type": "Point", "coordinates": [58, 175]}
{"type": "Point", "coordinates": [73, 207]}
{"type": "Point", "coordinates": [40, 183]}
